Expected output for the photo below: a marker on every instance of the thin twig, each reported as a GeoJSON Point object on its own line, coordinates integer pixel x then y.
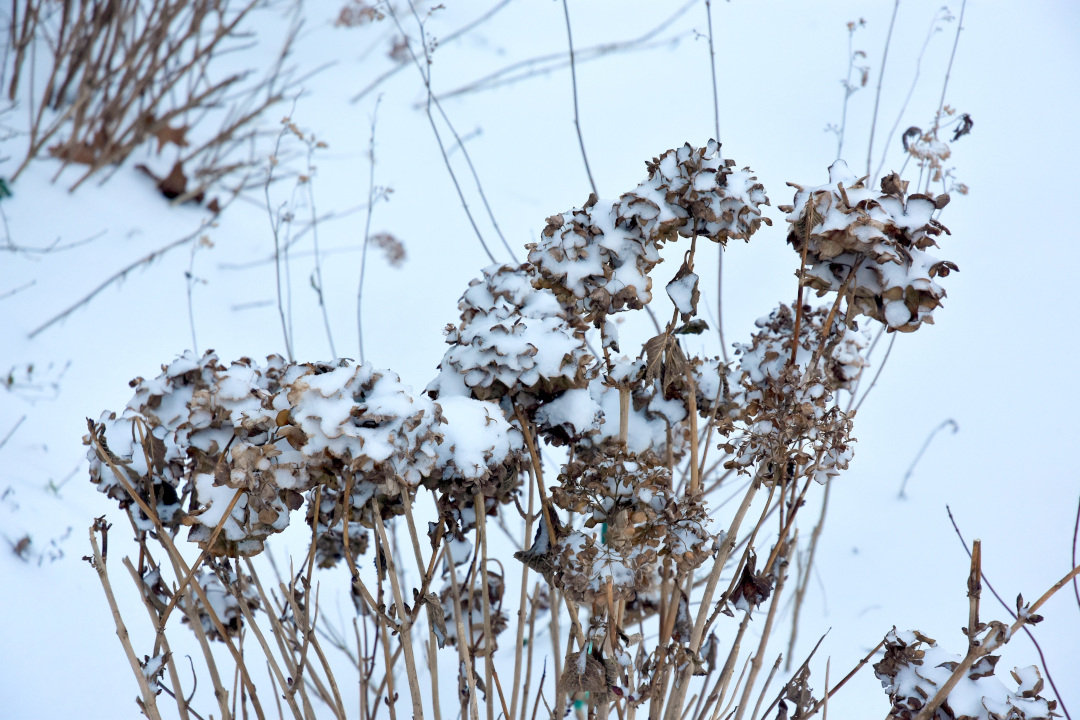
{"type": "Point", "coordinates": [947, 423]}
{"type": "Point", "coordinates": [12, 431]}
{"type": "Point", "coordinates": [425, 75]}
{"type": "Point", "coordinates": [117, 277]}
{"type": "Point", "coordinates": [907, 98]}
{"type": "Point", "coordinates": [573, 82]}
{"type": "Point", "coordinates": [367, 233]}
{"type": "Point", "coordinates": [888, 352]}
{"type": "Point", "coordinates": [881, 80]}
{"type": "Point", "coordinates": [948, 70]}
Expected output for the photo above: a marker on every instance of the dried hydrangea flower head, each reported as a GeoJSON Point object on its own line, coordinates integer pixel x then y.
{"type": "Point", "coordinates": [513, 340]}
{"type": "Point", "coordinates": [792, 425]}
{"type": "Point", "coordinates": [597, 258]}
{"type": "Point", "coordinates": [914, 668]}
{"type": "Point", "coordinates": [367, 434]}
{"type": "Point", "coordinates": [884, 235]}
{"type": "Point", "coordinates": [631, 498]}
{"type": "Point", "coordinates": [248, 440]}
{"type": "Point", "coordinates": [209, 434]}
{"type": "Point", "coordinates": [223, 602]}
{"type": "Point", "coordinates": [481, 454]}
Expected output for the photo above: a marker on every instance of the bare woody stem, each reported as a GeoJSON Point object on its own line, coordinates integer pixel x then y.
{"type": "Point", "coordinates": [405, 626]}
{"type": "Point", "coordinates": [149, 698]}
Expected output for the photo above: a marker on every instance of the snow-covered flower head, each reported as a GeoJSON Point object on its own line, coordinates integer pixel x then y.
{"type": "Point", "coordinates": [884, 235]}
{"type": "Point", "coordinates": [241, 444]}
{"type": "Point", "coordinates": [366, 435]}
{"type": "Point", "coordinates": [513, 339]}
{"type": "Point", "coordinates": [915, 668]}
{"type": "Point", "coordinates": [481, 454]}
{"type": "Point", "coordinates": [792, 428]}
{"type": "Point", "coordinates": [597, 258]}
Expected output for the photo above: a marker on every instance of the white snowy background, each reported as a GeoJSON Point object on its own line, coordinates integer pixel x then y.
{"type": "Point", "coordinates": [999, 361]}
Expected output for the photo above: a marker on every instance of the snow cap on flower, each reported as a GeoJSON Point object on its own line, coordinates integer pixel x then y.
{"type": "Point", "coordinates": [481, 453]}
{"type": "Point", "coordinates": [365, 433]}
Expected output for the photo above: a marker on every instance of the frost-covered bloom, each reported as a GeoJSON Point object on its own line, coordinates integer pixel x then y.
{"type": "Point", "coordinates": [915, 668]}
{"type": "Point", "coordinates": [844, 224]}
{"type": "Point", "coordinates": [770, 349]}
{"type": "Point", "coordinates": [631, 498]}
{"type": "Point", "coordinates": [207, 433]}
{"type": "Point", "coordinates": [585, 567]}
{"type": "Point", "coordinates": [597, 258]}
{"type": "Point", "coordinates": [513, 339]}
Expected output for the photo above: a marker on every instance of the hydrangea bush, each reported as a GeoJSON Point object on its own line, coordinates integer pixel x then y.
{"type": "Point", "coordinates": [604, 456]}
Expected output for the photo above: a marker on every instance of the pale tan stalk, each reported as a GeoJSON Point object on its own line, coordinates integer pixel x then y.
{"type": "Point", "coordinates": [309, 636]}
{"type": "Point", "coordinates": [732, 658]}
{"type": "Point", "coordinates": [463, 640]}
{"type": "Point", "coordinates": [755, 663]}
{"type": "Point", "coordinates": [281, 635]}
{"type": "Point", "coordinates": [804, 580]}
{"type": "Point", "coordinates": [174, 676]}
{"type": "Point", "coordinates": [388, 674]}
{"type": "Point", "coordinates": [502, 698]}
{"type": "Point", "coordinates": [405, 626]}
{"type": "Point", "coordinates": [433, 643]}
{"type": "Point", "coordinates": [250, 619]}
{"type": "Point", "coordinates": [519, 648]}
{"type": "Point", "coordinates": [825, 700]}
{"type": "Point", "coordinates": [624, 414]}
{"type": "Point", "coordinates": [765, 687]}
{"type": "Point", "coordinates": [526, 430]}
{"type": "Point", "coordinates": [718, 566]}
{"type": "Point", "coordinates": [489, 637]}
{"type": "Point", "coordinates": [528, 661]}
{"type": "Point", "coordinates": [553, 631]}
{"type": "Point", "coordinates": [723, 691]}
{"type": "Point", "coordinates": [149, 698]}
{"type": "Point", "coordinates": [695, 470]}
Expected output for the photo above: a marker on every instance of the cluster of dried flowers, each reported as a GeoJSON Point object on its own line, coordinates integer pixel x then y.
{"type": "Point", "coordinates": [871, 246]}
{"type": "Point", "coordinates": [205, 445]}
{"type": "Point", "coordinates": [915, 668]}
{"type": "Point", "coordinates": [597, 258]}
{"type": "Point", "coordinates": [230, 451]}
{"type": "Point", "coordinates": [788, 389]}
